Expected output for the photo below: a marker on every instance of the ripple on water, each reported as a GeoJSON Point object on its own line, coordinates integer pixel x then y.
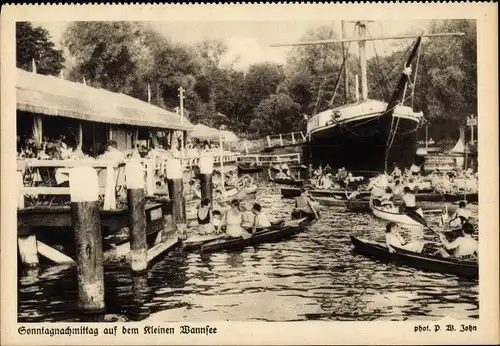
{"type": "Point", "coordinates": [313, 276]}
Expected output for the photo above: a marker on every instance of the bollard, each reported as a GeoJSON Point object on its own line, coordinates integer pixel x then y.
{"type": "Point", "coordinates": [27, 246]}
{"type": "Point", "coordinates": [206, 165]}
{"type": "Point", "coordinates": [86, 222]}
{"type": "Point", "coordinates": [175, 191]}
{"type": "Point", "coordinates": [136, 202]}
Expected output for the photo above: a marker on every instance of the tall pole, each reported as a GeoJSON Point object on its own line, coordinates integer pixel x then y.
{"type": "Point", "coordinates": [221, 159]}
{"type": "Point", "coordinates": [362, 57]}
{"type": "Point", "coordinates": [426, 135]}
{"type": "Point", "coordinates": [346, 65]}
{"type": "Point", "coordinates": [181, 96]}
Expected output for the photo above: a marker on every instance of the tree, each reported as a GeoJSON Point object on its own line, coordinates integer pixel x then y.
{"type": "Point", "coordinates": [277, 113]}
{"type": "Point", "coordinates": [314, 70]}
{"type": "Point", "coordinates": [34, 43]}
{"type": "Point", "coordinates": [126, 56]}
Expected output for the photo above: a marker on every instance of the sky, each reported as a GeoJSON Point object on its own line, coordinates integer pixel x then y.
{"type": "Point", "coordinates": [251, 40]}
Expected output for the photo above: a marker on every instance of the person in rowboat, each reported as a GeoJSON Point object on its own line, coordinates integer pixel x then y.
{"type": "Point", "coordinates": [204, 216]}
{"type": "Point", "coordinates": [409, 200]}
{"type": "Point", "coordinates": [233, 220]}
{"type": "Point", "coordinates": [461, 216]}
{"type": "Point", "coordinates": [396, 173]}
{"type": "Point", "coordinates": [394, 240]}
{"type": "Point", "coordinates": [260, 219]}
{"type": "Point", "coordinates": [386, 199]}
{"type": "Point", "coordinates": [303, 205]}
{"type": "Point", "coordinates": [397, 189]}
{"type": "Point", "coordinates": [464, 247]}
{"type": "Point", "coordinates": [247, 217]}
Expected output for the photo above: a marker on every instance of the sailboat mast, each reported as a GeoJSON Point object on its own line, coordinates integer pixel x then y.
{"type": "Point", "coordinates": [346, 65]}
{"type": "Point", "coordinates": [362, 58]}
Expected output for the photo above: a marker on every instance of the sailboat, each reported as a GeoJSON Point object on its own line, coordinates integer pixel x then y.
{"type": "Point", "coordinates": [367, 135]}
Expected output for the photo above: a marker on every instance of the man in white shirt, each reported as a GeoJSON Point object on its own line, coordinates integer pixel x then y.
{"type": "Point", "coordinates": [461, 216]}
{"type": "Point", "coordinates": [463, 247]}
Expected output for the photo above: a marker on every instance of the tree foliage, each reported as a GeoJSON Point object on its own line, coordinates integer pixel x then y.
{"type": "Point", "coordinates": [35, 44]}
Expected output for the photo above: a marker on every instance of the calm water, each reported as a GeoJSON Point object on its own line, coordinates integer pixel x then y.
{"type": "Point", "coordinates": [313, 276]}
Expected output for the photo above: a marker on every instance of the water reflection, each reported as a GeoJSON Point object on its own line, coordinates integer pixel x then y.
{"type": "Point", "coordinates": [313, 276]}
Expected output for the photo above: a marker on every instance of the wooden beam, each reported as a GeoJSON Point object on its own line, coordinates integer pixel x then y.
{"type": "Point", "coordinates": [400, 37]}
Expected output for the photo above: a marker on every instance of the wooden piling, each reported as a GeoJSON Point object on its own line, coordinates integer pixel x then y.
{"type": "Point", "coordinates": [136, 202]}
{"type": "Point", "coordinates": [206, 166]}
{"type": "Point", "coordinates": [175, 191]}
{"type": "Point", "coordinates": [86, 222]}
{"type": "Point", "coordinates": [28, 251]}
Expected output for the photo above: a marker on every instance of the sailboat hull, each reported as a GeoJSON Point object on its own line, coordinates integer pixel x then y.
{"type": "Point", "coordinates": [357, 145]}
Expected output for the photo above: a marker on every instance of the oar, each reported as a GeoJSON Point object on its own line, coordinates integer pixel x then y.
{"type": "Point", "coordinates": [417, 217]}
{"type": "Point", "coordinates": [312, 208]}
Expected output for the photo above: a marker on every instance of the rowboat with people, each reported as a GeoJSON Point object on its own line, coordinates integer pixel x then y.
{"type": "Point", "coordinates": [287, 181]}
{"type": "Point", "coordinates": [249, 167]}
{"type": "Point", "coordinates": [393, 214]}
{"type": "Point", "coordinates": [378, 250]}
{"type": "Point", "coordinates": [195, 242]}
{"type": "Point", "coordinates": [291, 192]}
{"type": "Point", "coordinates": [272, 234]}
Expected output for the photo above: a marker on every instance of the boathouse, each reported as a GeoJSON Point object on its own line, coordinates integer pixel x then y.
{"type": "Point", "coordinates": [48, 106]}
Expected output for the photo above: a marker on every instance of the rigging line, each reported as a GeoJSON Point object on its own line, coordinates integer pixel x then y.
{"type": "Point", "coordinates": [322, 84]}
{"type": "Point", "coordinates": [395, 128]}
{"type": "Point", "coordinates": [385, 80]}
{"type": "Point", "coordinates": [392, 118]}
{"type": "Point", "coordinates": [337, 83]}
{"type": "Point", "coordinates": [415, 78]}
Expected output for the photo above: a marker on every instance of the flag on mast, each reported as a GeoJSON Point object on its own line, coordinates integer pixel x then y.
{"type": "Point", "coordinates": [84, 81]}
{"type": "Point", "coordinates": [33, 66]}
{"type": "Point", "coordinates": [149, 94]}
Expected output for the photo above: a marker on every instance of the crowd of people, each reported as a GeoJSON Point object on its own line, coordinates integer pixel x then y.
{"type": "Point", "coordinates": [326, 178]}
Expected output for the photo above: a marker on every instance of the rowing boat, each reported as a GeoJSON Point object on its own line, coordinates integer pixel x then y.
{"type": "Point", "coordinates": [393, 216]}
{"type": "Point", "coordinates": [264, 236]}
{"type": "Point", "coordinates": [287, 181]}
{"type": "Point", "coordinates": [416, 260]}
{"type": "Point", "coordinates": [469, 197]}
{"type": "Point", "coordinates": [194, 242]}
{"type": "Point", "coordinates": [290, 192]}
{"type": "Point", "coordinates": [249, 168]}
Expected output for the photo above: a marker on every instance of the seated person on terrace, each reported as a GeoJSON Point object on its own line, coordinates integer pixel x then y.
{"type": "Point", "coordinates": [112, 152]}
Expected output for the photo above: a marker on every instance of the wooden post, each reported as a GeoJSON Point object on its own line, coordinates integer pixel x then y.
{"type": "Point", "coordinates": [293, 138]}
{"type": "Point", "coordinates": [281, 139]}
{"type": "Point", "coordinates": [26, 243]}
{"type": "Point", "coordinates": [175, 191]}
{"type": "Point", "coordinates": [80, 135]}
{"type": "Point", "coordinates": [268, 142]}
{"type": "Point", "coordinates": [86, 222]}
{"type": "Point", "coordinates": [134, 173]}
{"type": "Point", "coordinates": [110, 193]}
{"type": "Point", "coordinates": [206, 166]}
{"type": "Point", "coordinates": [20, 181]}
{"type": "Point", "coordinates": [150, 184]}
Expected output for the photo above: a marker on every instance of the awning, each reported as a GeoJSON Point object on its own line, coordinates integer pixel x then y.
{"type": "Point", "coordinates": [229, 136]}
{"type": "Point", "coordinates": [204, 132]}
{"type": "Point", "coordinates": [54, 96]}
